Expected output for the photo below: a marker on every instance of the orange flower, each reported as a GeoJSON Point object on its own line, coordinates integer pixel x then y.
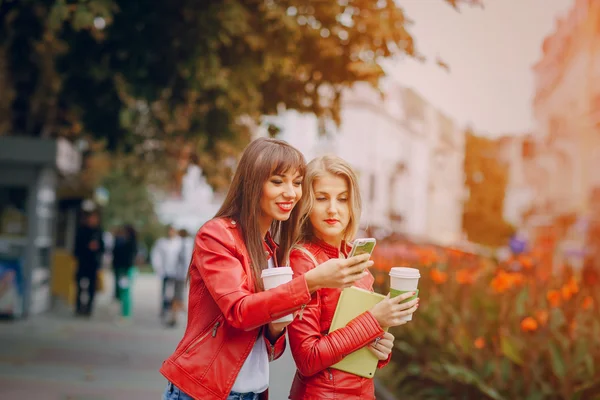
{"type": "Point", "coordinates": [542, 317]}
{"type": "Point", "coordinates": [569, 289]}
{"type": "Point", "coordinates": [553, 298]}
{"type": "Point", "coordinates": [501, 282]}
{"type": "Point", "coordinates": [526, 262]}
{"type": "Point", "coordinates": [479, 343]}
{"type": "Point", "coordinates": [573, 285]}
{"type": "Point", "coordinates": [506, 280]}
{"type": "Point", "coordinates": [588, 303]}
{"type": "Point", "coordinates": [529, 325]}
{"type": "Point", "coordinates": [465, 276]}
{"type": "Point", "coordinates": [438, 276]}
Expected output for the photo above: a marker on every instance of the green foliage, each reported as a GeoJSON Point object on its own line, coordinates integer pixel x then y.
{"type": "Point", "coordinates": [140, 75]}
{"type": "Point", "coordinates": [130, 201]}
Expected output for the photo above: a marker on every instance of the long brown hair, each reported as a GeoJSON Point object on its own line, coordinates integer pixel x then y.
{"type": "Point", "coordinates": [262, 159]}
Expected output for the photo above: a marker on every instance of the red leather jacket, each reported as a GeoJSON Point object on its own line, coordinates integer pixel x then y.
{"type": "Point", "coordinates": [225, 316]}
{"type": "Point", "coordinates": [315, 350]}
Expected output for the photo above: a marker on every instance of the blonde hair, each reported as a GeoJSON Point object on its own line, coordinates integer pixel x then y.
{"type": "Point", "coordinates": [262, 159]}
{"type": "Point", "coordinates": [316, 169]}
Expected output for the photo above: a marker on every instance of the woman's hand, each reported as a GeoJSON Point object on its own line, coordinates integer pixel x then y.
{"type": "Point", "coordinates": [275, 329]}
{"type": "Point", "coordinates": [338, 272]}
{"type": "Point", "coordinates": [382, 347]}
{"type": "Point", "coordinates": [389, 311]}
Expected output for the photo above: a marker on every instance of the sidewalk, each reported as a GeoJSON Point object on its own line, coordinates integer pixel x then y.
{"type": "Point", "coordinates": [59, 357]}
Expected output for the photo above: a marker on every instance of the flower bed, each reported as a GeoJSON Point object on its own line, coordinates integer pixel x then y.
{"type": "Point", "coordinates": [488, 330]}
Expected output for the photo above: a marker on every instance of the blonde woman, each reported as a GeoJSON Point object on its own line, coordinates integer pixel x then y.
{"type": "Point", "coordinates": [329, 220]}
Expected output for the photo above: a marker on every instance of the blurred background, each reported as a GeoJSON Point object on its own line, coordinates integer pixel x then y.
{"type": "Point", "coordinates": [474, 127]}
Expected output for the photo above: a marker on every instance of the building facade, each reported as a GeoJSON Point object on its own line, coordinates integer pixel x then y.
{"type": "Point", "coordinates": [567, 110]}
{"type": "Point", "coordinates": [408, 155]}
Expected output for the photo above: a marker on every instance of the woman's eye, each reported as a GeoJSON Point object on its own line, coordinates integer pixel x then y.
{"type": "Point", "coordinates": [276, 181]}
{"type": "Point", "coordinates": [299, 183]}
{"type": "Point", "coordinates": [321, 199]}
{"type": "Point", "coordinates": [343, 200]}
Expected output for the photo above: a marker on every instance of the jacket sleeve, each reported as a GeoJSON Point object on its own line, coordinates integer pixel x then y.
{"type": "Point", "coordinates": [219, 264]}
{"type": "Point", "coordinates": [314, 352]}
{"type": "Point", "coordinates": [385, 362]}
{"type": "Point", "coordinates": [275, 349]}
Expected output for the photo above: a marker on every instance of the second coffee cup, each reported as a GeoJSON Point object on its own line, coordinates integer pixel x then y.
{"type": "Point", "coordinates": [402, 280]}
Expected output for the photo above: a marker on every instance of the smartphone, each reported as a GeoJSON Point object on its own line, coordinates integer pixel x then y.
{"type": "Point", "coordinates": [362, 246]}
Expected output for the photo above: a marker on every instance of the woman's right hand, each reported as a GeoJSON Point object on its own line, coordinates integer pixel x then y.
{"type": "Point", "coordinates": [338, 272]}
{"type": "Point", "coordinates": [389, 311]}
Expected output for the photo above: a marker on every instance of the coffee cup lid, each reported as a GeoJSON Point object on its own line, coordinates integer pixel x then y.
{"type": "Point", "coordinates": [405, 272]}
{"type": "Point", "coordinates": [277, 271]}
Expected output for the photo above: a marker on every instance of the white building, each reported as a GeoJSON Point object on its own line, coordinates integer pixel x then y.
{"type": "Point", "coordinates": [567, 110]}
{"type": "Point", "coordinates": [517, 153]}
{"type": "Point", "coordinates": [196, 205]}
{"type": "Point", "coordinates": [408, 155]}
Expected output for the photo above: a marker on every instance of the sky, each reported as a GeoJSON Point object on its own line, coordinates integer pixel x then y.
{"type": "Point", "coordinates": [490, 51]}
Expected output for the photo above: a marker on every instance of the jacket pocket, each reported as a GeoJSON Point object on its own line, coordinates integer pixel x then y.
{"type": "Point", "coordinates": [211, 332]}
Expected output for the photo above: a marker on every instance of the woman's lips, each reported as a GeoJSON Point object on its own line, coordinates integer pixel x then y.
{"type": "Point", "coordinates": [285, 207]}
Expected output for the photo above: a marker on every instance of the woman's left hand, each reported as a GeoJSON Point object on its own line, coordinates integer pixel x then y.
{"type": "Point", "coordinates": [383, 347]}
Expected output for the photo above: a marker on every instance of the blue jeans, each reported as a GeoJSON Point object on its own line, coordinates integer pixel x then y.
{"type": "Point", "coordinates": [172, 392]}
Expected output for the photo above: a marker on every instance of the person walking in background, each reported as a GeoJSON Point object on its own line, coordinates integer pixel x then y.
{"type": "Point", "coordinates": [124, 255]}
{"type": "Point", "coordinates": [164, 258]}
{"type": "Point", "coordinates": [118, 238]}
{"type": "Point", "coordinates": [183, 263]}
{"type": "Point", "coordinates": [89, 249]}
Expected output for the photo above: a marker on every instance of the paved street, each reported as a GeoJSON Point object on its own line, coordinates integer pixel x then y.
{"type": "Point", "coordinates": [58, 357]}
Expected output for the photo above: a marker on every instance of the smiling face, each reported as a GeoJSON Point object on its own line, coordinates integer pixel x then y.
{"type": "Point", "coordinates": [330, 214]}
{"type": "Point", "coordinates": [280, 193]}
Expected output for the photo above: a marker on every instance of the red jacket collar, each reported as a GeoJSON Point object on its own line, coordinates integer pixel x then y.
{"type": "Point", "coordinates": [331, 251]}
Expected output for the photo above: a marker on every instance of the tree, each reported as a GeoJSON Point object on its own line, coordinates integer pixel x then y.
{"type": "Point", "coordinates": [486, 178]}
{"type": "Point", "coordinates": [131, 201]}
{"type": "Point", "coordinates": [145, 77]}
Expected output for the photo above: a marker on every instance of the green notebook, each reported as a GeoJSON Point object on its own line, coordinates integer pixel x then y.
{"type": "Point", "coordinates": [353, 302]}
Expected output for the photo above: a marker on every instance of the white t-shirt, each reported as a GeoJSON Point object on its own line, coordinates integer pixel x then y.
{"type": "Point", "coordinates": [254, 375]}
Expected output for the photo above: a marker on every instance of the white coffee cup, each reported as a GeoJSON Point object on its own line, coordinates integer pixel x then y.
{"type": "Point", "coordinates": [273, 277]}
{"type": "Point", "coordinates": [402, 280]}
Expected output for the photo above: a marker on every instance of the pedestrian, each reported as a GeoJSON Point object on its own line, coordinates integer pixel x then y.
{"type": "Point", "coordinates": [183, 263]}
{"type": "Point", "coordinates": [124, 256]}
{"type": "Point", "coordinates": [164, 258]}
{"type": "Point", "coordinates": [330, 218]}
{"type": "Point", "coordinates": [89, 249]}
{"type": "Point", "coordinates": [230, 339]}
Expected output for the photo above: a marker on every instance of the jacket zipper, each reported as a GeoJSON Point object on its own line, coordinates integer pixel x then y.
{"type": "Point", "coordinates": [214, 331]}
{"type": "Point", "coordinates": [301, 312]}
{"type": "Point", "coordinates": [201, 338]}
{"type": "Point", "coordinates": [272, 355]}
{"type": "Point", "coordinates": [329, 369]}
